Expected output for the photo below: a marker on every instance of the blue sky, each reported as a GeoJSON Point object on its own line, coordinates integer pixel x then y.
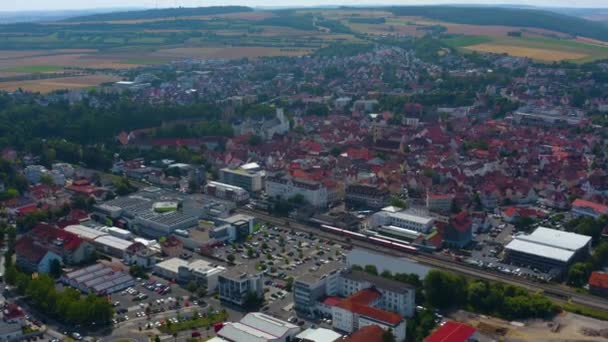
{"type": "Point", "coordinates": [21, 5]}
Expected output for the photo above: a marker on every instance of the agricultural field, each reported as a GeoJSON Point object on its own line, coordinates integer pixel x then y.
{"type": "Point", "coordinates": [52, 84]}
{"type": "Point", "coordinates": [540, 49]}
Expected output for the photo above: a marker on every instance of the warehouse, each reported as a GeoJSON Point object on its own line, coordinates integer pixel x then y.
{"type": "Point", "coordinates": [547, 249]}
{"type": "Point", "coordinates": [99, 279]}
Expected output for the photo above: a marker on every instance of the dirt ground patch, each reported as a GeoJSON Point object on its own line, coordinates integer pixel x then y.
{"type": "Point", "coordinates": [566, 327]}
{"type": "Point", "coordinates": [48, 85]}
{"type": "Point", "coordinates": [230, 52]}
{"type": "Point", "coordinates": [521, 51]}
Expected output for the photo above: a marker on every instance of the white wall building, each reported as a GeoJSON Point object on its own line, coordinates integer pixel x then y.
{"type": "Point", "coordinates": [286, 187]}
{"type": "Point", "coordinates": [402, 219]}
{"type": "Point", "coordinates": [259, 327]}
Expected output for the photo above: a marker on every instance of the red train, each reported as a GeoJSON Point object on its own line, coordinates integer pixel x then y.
{"type": "Point", "coordinates": [371, 239]}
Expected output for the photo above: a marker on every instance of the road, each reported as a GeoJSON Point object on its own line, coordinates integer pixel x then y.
{"type": "Point", "coordinates": [558, 293]}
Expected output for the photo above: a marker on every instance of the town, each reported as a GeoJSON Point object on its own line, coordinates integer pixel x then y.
{"type": "Point", "coordinates": [376, 194]}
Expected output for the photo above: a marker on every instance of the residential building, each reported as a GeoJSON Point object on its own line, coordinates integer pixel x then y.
{"type": "Point", "coordinates": [33, 173]}
{"type": "Point", "coordinates": [172, 247]}
{"type": "Point", "coordinates": [459, 231]}
{"type": "Point", "coordinates": [227, 192]}
{"type": "Point", "coordinates": [281, 186]}
{"type": "Point", "coordinates": [453, 331]}
{"type": "Point", "coordinates": [391, 216]}
{"type": "Point", "coordinates": [439, 202]}
{"type": "Point", "coordinates": [33, 258]}
{"type": "Point", "coordinates": [361, 309]}
{"type": "Point", "coordinates": [72, 249]}
{"type": "Point", "coordinates": [258, 327]}
{"type": "Point", "coordinates": [247, 176]}
{"type": "Point", "coordinates": [581, 207]}
{"type": "Point", "coordinates": [547, 249]}
{"type": "Point", "coordinates": [598, 283]}
{"type": "Point", "coordinates": [238, 283]}
{"type": "Point", "coordinates": [139, 255]}
{"type": "Point", "coordinates": [368, 196]}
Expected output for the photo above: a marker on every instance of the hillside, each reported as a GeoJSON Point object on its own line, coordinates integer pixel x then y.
{"type": "Point", "coordinates": [509, 17]}
{"type": "Point", "coordinates": [161, 13]}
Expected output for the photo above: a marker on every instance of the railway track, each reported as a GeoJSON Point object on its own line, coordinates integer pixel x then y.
{"type": "Point", "coordinates": [555, 292]}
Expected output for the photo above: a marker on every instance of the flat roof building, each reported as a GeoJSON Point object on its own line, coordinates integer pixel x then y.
{"type": "Point", "coordinates": [548, 249]}
{"type": "Point", "coordinates": [98, 279]}
{"type": "Point", "coordinates": [258, 327]}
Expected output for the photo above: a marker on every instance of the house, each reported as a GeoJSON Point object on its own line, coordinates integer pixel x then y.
{"type": "Point", "coordinates": [458, 233]}
{"type": "Point", "coordinates": [33, 258]}
{"type": "Point", "coordinates": [72, 249]}
{"type": "Point", "coordinates": [598, 284]}
{"type": "Point", "coordinates": [454, 332]}
{"type": "Point", "coordinates": [172, 247]}
{"type": "Point", "coordinates": [139, 255]}
{"type": "Point", "coordinates": [367, 196]}
{"type": "Point", "coordinates": [581, 207]}
{"type": "Point", "coordinates": [439, 202]}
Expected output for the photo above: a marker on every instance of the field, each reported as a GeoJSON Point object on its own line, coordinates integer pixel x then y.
{"type": "Point", "coordinates": [541, 49]}
{"type": "Point", "coordinates": [52, 84]}
{"type": "Point", "coordinates": [104, 45]}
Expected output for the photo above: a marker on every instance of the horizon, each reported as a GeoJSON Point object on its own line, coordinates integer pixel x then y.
{"type": "Point", "coordinates": [119, 5]}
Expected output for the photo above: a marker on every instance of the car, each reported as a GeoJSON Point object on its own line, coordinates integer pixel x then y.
{"type": "Point", "coordinates": [76, 336]}
{"type": "Point", "coordinates": [116, 303]}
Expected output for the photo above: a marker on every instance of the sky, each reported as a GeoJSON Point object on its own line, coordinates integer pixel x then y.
{"type": "Point", "coordinates": [30, 5]}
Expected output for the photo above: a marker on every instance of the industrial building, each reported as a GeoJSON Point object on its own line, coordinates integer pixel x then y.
{"type": "Point", "coordinates": [101, 239]}
{"type": "Point", "coordinates": [98, 279]}
{"type": "Point", "coordinates": [547, 249]}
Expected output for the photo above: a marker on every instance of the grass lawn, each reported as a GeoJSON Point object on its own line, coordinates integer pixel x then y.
{"type": "Point", "coordinates": [203, 321]}
{"type": "Point", "coordinates": [586, 311]}
{"type": "Point", "coordinates": [34, 68]}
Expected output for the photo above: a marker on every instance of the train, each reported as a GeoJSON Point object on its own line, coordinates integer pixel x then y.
{"type": "Point", "coordinates": [370, 239]}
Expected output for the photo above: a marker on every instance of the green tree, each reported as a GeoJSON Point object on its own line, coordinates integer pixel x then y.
{"type": "Point", "coordinates": [388, 336]}
{"type": "Point", "coordinates": [55, 268]}
{"type": "Point", "coordinates": [579, 273]}
{"type": "Point", "coordinates": [371, 269]}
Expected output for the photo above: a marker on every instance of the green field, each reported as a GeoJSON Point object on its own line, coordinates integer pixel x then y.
{"type": "Point", "coordinates": [32, 69]}
{"type": "Point", "coordinates": [461, 41]}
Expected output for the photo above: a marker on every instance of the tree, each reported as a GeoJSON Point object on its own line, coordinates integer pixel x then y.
{"type": "Point", "coordinates": [444, 290]}
{"type": "Point", "coordinates": [371, 269]}
{"type": "Point", "coordinates": [55, 268]}
{"type": "Point", "coordinates": [388, 336]}
{"type": "Point", "coordinates": [579, 273]}
{"type": "Point", "coordinates": [192, 286]}
{"type": "Point", "coordinates": [230, 258]}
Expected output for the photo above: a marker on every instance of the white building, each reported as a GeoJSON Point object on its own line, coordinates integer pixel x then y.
{"type": "Point", "coordinates": [362, 309]}
{"type": "Point", "coordinates": [227, 192]}
{"type": "Point", "coordinates": [548, 249]}
{"type": "Point", "coordinates": [258, 327]}
{"type": "Point", "coordinates": [248, 176]}
{"type": "Point", "coordinates": [286, 187]}
{"type": "Point", "coordinates": [389, 216]}
{"type": "Point", "coordinates": [33, 173]}
{"type": "Point", "coordinates": [318, 335]}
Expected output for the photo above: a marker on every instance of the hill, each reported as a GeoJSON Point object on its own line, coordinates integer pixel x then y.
{"type": "Point", "coordinates": [508, 17]}
{"type": "Point", "coordinates": [161, 13]}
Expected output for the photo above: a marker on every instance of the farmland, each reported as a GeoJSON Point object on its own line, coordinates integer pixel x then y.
{"type": "Point", "coordinates": [109, 42]}
{"type": "Point", "coordinates": [52, 84]}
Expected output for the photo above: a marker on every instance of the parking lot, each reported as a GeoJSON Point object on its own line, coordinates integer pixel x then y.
{"type": "Point", "coordinates": [149, 296]}
{"type": "Point", "coordinates": [282, 255]}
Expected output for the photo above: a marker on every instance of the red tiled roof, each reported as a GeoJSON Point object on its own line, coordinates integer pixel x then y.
{"type": "Point", "coordinates": [332, 301]}
{"type": "Point", "coordinates": [364, 296]}
{"type": "Point", "coordinates": [461, 222]}
{"type": "Point", "coordinates": [370, 312]}
{"type": "Point", "coordinates": [27, 249]}
{"type": "Point", "coordinates": [451, 332]}
{"type": "Point", "coordinates": [597, 207]}
{"type": "Point", "coordinates": [47, 235]}
{"type": "Point", "coordinates": [369, 333]}
{"type": "Point", "coordinates": [599, 279]}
